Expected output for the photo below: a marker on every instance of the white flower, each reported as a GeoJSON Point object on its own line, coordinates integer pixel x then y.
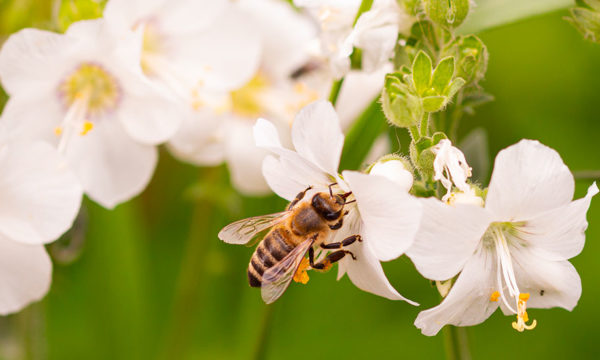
{"type": "Point", "coordinates": [273, 91]}
{"type": "Point", "coordinates": [384, 215]}
{"type": "Point", "coordinates": [84, 92]}
{"type": "Point", "coordinates": [450, 167]}
{"type": "Point", "coordinates": [39, 199]}
{"type": "Point", "coordinates": [375, 31]}
{"type": "Point", "coordinates": [513, 252]}
{"type": "Point", "coordinates": [198, 49]}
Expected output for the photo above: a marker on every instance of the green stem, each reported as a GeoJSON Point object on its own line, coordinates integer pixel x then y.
{"type": "Point", "coordinates": [587, 175]}
{"type": "Point", "coordinates": [191, 276]}
{"type": "Point", "coordinates": [265, 331]}
{"type": "Point", "coordinates": [414, 132]}
{"type": "Point", "coordinates": [425, 124]}
{"type": "Point", "coordinates": [456, 343]}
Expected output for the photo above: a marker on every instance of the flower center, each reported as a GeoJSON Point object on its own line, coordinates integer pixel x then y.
{"type": "Point", "coordinates": [95, 85]}
{"type": "Point", "coordinates": [506, 276]}
{"type": "Point", "coordinates": [247, 101]}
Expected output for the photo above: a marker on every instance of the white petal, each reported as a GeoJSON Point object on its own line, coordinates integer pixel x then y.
{"type": "Point", "coordinates": [293, 167]}
{"type": "Point", "coordinates": [147, 114]}
{"type": "Point", "coordinates": [447, 238]}
{"type": "Point", "coordinates": [284, 53]}
{"type": "Point", "coordinates": [199, 139]}
{"type": "Point", "coordinates": [559, 234]}
{"type": "Point", "coordinates": [559, 280]}
{"type": "Point", "coordinates": [32, 118]}
{"type": "Point", "coordinates": [244, 159]}
{"type": "Point", "coordinates": [279, 181]}
{"type": "Point", "coordinates": [183, 16]}
{"type": "Point", "coordinates": [395, 171]}
{"type": "Point", "coordinates": [317, 135]}
{"type": "Point", "coordinates": [468, 302]}
{"type": "Point", "coordinates": [112, 167]}
{"type": "Point", "coordinates": [130, 12]}
{"type": "Point", "coordinates": [25, 275]}
{"type": "Point", "coordinates": [528, 178]}
{"type": "Point", "coordinates": [367, 274]}
{"type": "Point", "coordinates": [40, 195]}
{"type": "Point", "coordinates": [32, 60]}
{"type": "Point", "coordinates": [225, 56]}
{"type": "Point", "coordinates": [266, 136]}
{"type": "Point", "coordinates": [390, 216]}
{"type": "Point", "coordinates": [358, 90]}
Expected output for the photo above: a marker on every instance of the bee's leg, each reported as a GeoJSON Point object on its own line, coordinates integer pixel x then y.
{"type": "Point", "coordinates": [337, 225]}
{"type": "Point", "coordinates": [299, 197]}
{"type": "Point", "coordinates": [338, 245]}
{"type": "Point", "coordinates": [329, 260]}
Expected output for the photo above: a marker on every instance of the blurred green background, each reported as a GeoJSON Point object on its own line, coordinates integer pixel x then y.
{"type": "Point", "coordinates": [119, 293]}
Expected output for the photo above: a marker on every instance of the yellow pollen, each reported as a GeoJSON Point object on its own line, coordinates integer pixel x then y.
{"type": "Point", "coordinates": [246, 101]}
{"type": "Point", "coordinates": [92, 83]}
{"type": "Point", "coordinates": [152, 45]}
{"type": "Point", "coordinates": [87, 127]}
{"type": "Point", "coordinates": [522, 318]}
{"type": "Point", "coordinates": [495, 296]}
{"type": "Point", "coordinates": [58, 131]}
{"type": "Point", "coordinates": [301, 276]}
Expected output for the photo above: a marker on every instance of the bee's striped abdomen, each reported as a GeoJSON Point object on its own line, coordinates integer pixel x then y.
{"type": "Point", "coordinates": [270, 251]}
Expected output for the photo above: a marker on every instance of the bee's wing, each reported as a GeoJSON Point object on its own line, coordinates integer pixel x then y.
{"type": "Point", "coordinates": [242, 231]}
{"type": "Point", "coordinates": [276, 279]}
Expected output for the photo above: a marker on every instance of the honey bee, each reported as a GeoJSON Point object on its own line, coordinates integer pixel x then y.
{"type": "Point", "coordinates": [293, 233]}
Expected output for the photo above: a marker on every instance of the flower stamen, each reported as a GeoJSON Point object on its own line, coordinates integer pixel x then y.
{"type": "Point", "coordinates": [522, 318]}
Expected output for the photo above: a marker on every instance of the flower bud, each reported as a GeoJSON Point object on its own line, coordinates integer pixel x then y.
{"type": "Point", "coordinates": [395, 169]}
{"type": "Point", "coordinates": [447, 13]}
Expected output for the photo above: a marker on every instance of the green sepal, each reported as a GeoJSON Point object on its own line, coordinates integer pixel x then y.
{"type": "Point", "coordinates": [443, 74]}
{"type": "Point", "coordinates": [433, 103]}
{"type": "Point", "coordinates": [421, 72]}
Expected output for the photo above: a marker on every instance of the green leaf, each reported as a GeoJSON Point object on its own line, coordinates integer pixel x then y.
{"type": "Point", "coordinates": [443, 74]}
{"type": "Point", "coordinates": [421, 72]}
{"type": "Point", "coordinates": [433, 103]}
{"type": "Point", "coordinates": [447, 13]}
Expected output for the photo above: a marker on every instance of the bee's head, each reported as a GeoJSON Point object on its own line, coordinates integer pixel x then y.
{"type": "Point", "coordinates": [329, 206]}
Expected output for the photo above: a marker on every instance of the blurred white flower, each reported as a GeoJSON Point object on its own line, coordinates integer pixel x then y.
{"type": "Point", "coordinates": [276, 90]}
{"type": "Point", "coordinates": [375, 31]}
{"type": "Point", "coordinates": [287, 78]}
{"type": "Point", "coordinates": [39, 199]}
{"type": "Point", "coordinates": [84, 92]}
{"type": "Point", "coordinates": [513, 252]}
{"type": "Point", "coordinates": [384, 214]}
{"type": "Point", "coordinates": [198, 49]}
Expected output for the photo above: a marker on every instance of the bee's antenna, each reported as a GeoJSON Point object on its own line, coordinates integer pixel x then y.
{"type": "Point", "coordinates": [331, 191]}
{"type": "Point", "coordinates": [350, 202]}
